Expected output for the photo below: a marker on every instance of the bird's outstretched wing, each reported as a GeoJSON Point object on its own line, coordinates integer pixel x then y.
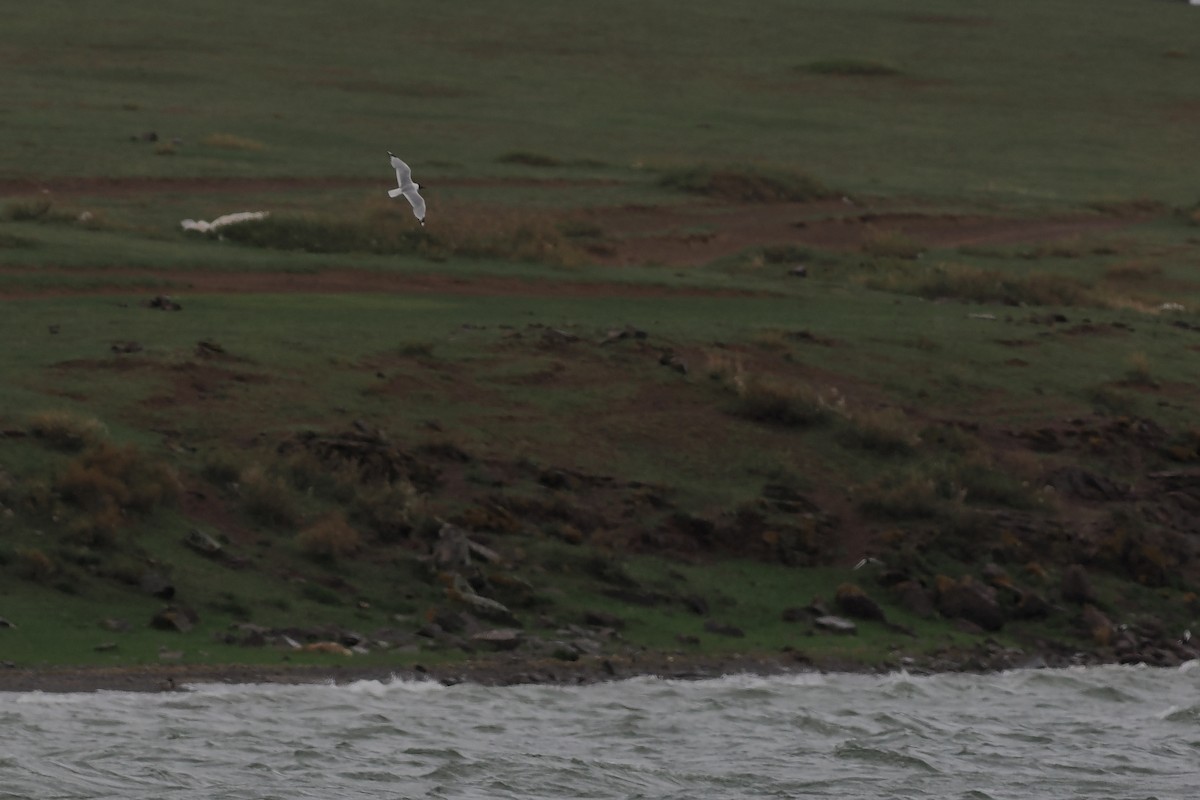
{"type": "Point", "coordinates": [417, 202]}
{"type": "Point", "coordinates": [407, 187]}
{"type": "Point", "coordinates": [403, 172]}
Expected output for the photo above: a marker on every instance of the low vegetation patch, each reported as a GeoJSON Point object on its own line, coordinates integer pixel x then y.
{"type": "Point", "coordinates": [885, 431]}
{"type": "Point", "coordinates": [470, 237]}
{"type": "Point", "coordinates": [776, 401]}
{"type": "Point", "coordinates": [329, 538]}
{"type": "Point", "coordinates": [267, 499]}
{"type": "Point", "coordinates": [891, 244]}
{"type": "Point", "coordinates": [229, 141]}
{"type": "Point", "coordinates": [67, 431]}
{"type": "Point", "coordinates": [960, 282]}
{"type": "Point", "coordinates": [530, 159]}
{"type": "Point", "coordinates": [747, 185]}
{"type": "Point", "coordinates": [850, 68]}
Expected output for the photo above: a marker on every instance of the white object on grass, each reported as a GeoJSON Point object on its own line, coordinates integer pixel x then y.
{"type": "Point", "coordinates": [407, 188]}
{"type": "Point", "coordinates": [204, 226]}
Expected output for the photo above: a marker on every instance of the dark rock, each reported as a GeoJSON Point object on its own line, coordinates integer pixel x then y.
{"type": "Point", "coordinates": [970, 601]}
{"type": "Point", "coordinates": [628, 332]}
{"type": "Point", "coordinates": [673, 361]}
{"type": "Point", "coordinates": [5, 623]}
{"type": "Point", "coordinates": [798, 271]}
{"type": "Point", "coordinates": [164, 303]}
{"type": "Point", "coordinates": [1076, 586]}
{"type": "Point", "coordinates": [688, 639]}
{"type": "Point", "coordinates": [206, 348]}
{"type": "Point", "coordinates": [203, 543]}
{"type": "Point", "coordinates": [1098, 625]}
{"type": "Point", "coordinates": [1086, 485]}
{"type": "Point", "coordinates": [721, 629]}
{"type": "Point", "coordinates": [1031, 605]}
{"type": "Point", "coordinates": [452, 621]}
{"type": "Point", "coordinates": [695, 604]}
{"type": "Point", "coordinates": [913, 597]}
{"type": "Point", "coordinates": [854, 602]}
{"type": "Point", "coordinates": [603, 619]}
{"type": "Point", "coordinates": [498, 639]}
{"type": "Point", "coordinates": [126, 347]}
{"type": "Point", "coordinates": [157, 584]}
{"type": "Point", "coordinates": [174, 618]}
{"type": "Point", "coordinates": [836, 625]}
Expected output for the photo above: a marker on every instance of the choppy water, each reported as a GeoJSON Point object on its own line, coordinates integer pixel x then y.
{"type": "Point", "coordinates": [1111, 732]}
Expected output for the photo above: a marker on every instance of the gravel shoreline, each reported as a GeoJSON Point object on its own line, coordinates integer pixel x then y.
{"type": "Point", "coordinates": [511, 669]}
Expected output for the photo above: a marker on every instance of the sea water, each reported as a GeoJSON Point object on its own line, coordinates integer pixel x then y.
{"type": "Point", "coordinates": [1106, 732]}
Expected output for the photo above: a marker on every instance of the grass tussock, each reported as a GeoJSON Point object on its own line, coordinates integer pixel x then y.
{"type": "Point", "coordinates": [229, 141]}
{"type": "Point", "coordinates": [769, 399]}
{"type": "Point", "coordinates": [107, 476]}
{"type": "Point", "coordinates": [329, 539]}
{"type": "Point", "coordinates": [267, 499]}
{"type": "Point", "coordinates": [910, 496]}
{"type": "Point", "coordinates": [34, 565]}
{"type": "Point", "coordinates": [851, 68]}
{"type": "Point", "coordinates": [528, 159]}
{"type": "Point", "coordinates": [66, 431]}
{"type": "Point", "coordinates": [747, 185]}
{"type": "Point", "coordinates": [512, 236]}
{"type": "Point", "coordinates": [28, 210]}
{"type": "Point", "coordinates": [891, 244]}
{"type": "Point", "coordinates": [960, 282]}
{"type": "Point", "coordinates": [1139, 372]}
{"type": "Point", "coordinates": [885, 431]}
{"type": "Point", "coordinates": [1132, 272]}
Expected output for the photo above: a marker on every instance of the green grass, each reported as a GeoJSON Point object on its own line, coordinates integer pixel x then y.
{"type": "Point", "coordinates": [854, 387]}
{"type": "Point", "coordinates": [616, 80]}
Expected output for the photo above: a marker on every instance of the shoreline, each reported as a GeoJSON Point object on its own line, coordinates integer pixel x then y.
{"type": "Point", "coordinates": [508, 671]}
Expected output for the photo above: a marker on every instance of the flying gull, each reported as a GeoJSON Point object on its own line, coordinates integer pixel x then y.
{"type": "Point", "coordinates": [407, 188]}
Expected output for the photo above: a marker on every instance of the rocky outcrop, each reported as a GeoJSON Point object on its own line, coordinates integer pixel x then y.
{"type": "Point", "coordinates": [969, 600]}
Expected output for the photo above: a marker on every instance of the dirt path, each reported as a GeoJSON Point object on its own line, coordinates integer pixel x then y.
{"type": "Point", "coordinates": [333, 281]}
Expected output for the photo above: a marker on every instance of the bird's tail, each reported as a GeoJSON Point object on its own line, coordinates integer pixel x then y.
{"type": "Point", "coordinates": [395, 192]}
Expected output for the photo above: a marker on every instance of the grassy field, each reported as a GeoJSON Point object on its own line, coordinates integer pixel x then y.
{"type": "Point", "coordinates": [596, 359]}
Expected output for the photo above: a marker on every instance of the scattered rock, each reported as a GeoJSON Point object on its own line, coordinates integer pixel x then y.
{"type": "Point", "coordinates": [157, 584]}
{"type": "Point", "coordinates": [603, 619]}
{"type": "Point", "coordinates": [913, 597]}
{"type": "Point", "coordinates": [333, 648]}
{"type": "Point", "coordinates": [1031, 605]}
{"type": "Point", "coordinates": [628, 332]}
{"type": "Point", "coordinates": [1076, 586]}
{"type": "Point", "coordinates": [499, 639]}
{"type": "Point", "coordinates": [798, 271]}
{"type": "Point", "coordinates": [695, 604]}
{"type": "Point", "coordinates": [670, 359]}
{"type": "Point", "coordinates": [970, 601]}
{"type": "Point", "coordinates": [1098, 625]}
{"type": "Point", "coordinates": [1087, 486]}
{"type": "Point", "coordinates": [854, 602]}
{"type": "Point", "coordinates": [721, 629]}
{"type": "Point", "coordinates": [209, 349]}
{"type": "Point", "coordinates": [164, 303]}
{"type": "Point", "coordinates": [203, 543]}
{"type": "Point", "coordinates": [174, 618]}
{"type": "Point", "coordinates": [836, 625]}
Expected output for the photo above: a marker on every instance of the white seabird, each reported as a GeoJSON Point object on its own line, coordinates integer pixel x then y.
{"type": "Point", "coordinates": [407, 188]}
